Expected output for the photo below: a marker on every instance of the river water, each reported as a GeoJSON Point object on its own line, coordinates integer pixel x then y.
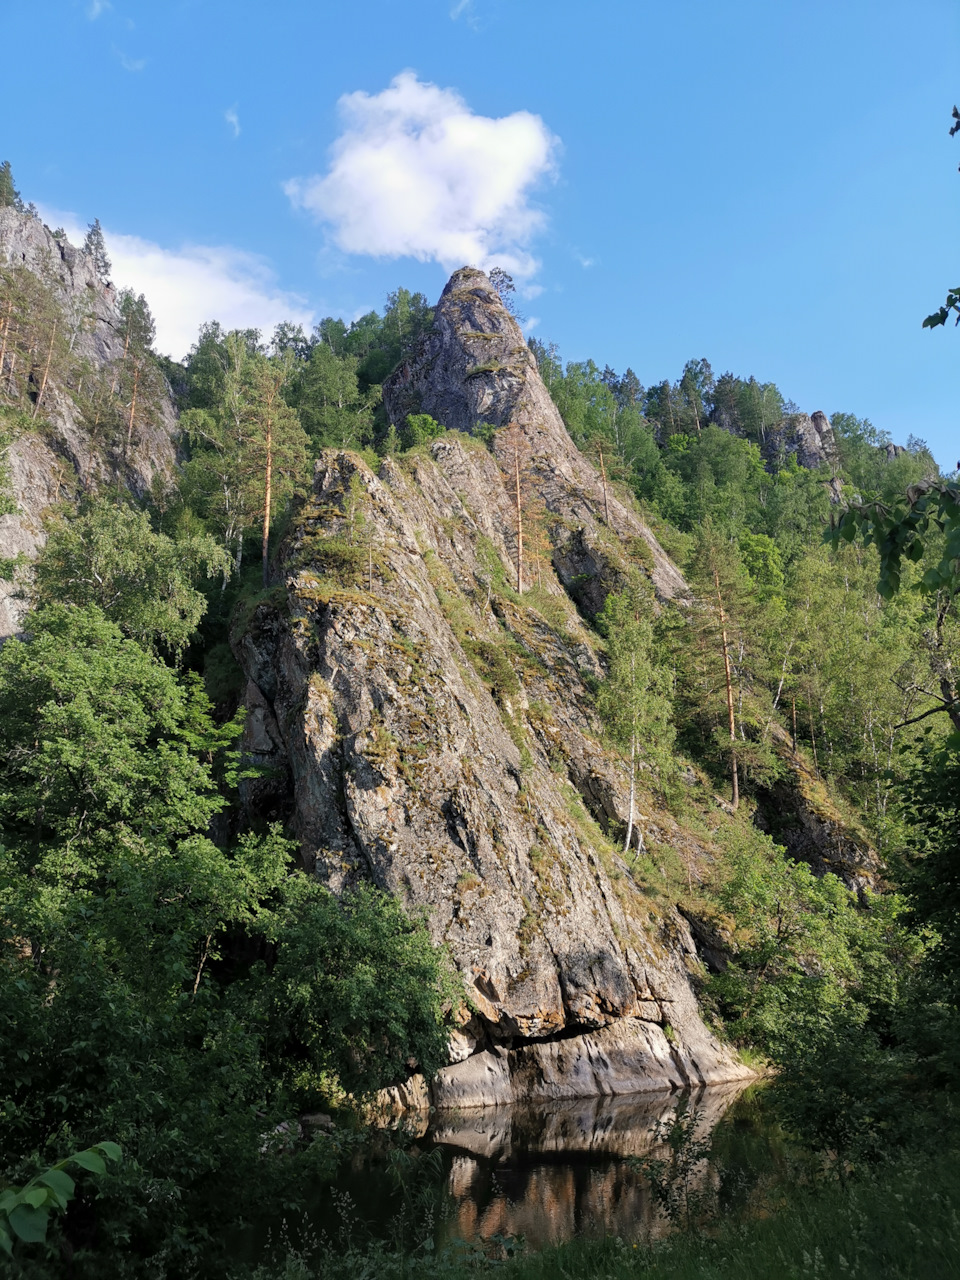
{"type": "Point", "coordinates": [548, 1172]}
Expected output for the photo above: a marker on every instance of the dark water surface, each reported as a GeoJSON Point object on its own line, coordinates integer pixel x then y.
{"type": "Point", "coordinates": [548, 1172]}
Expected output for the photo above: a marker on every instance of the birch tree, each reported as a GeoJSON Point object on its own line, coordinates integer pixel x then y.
{"type": "Point", "coordinates": [635, 700]}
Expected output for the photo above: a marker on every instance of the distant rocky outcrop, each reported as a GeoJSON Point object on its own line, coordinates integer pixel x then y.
{"type": "Point", "coordinates": [807, 437]}
{"type": "Point", "coordinates": [426, 725]}
{"type": "Point", "coordinates": [63, 458]}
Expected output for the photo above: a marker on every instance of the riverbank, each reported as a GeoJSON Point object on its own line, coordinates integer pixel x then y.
{"type": "Point", "coordinates": [900, 1223]}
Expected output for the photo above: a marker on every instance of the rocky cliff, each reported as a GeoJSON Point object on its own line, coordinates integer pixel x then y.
{"type": "Point", "coordinates": [428, 725]}
{"type": "Point", "coordinates": [807, 437]}
{"type": "Point", "coordinates": [63, 454]}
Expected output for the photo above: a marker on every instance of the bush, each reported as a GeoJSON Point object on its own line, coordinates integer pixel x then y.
{"type": "Point", "coordinates": [419, 428]}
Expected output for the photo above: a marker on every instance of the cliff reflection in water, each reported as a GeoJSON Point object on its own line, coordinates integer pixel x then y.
{"type": "Point", "coordinates": [555, 1170]}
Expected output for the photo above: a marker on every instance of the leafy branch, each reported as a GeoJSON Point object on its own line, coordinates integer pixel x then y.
{"type": "Point", "coordinates": [25, 1211]}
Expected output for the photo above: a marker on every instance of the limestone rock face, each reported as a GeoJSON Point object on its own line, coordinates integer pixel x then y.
{"type": "Point", "coordinates": [429, 727]}
{"type": "Point", "coordinates": [66, 461]}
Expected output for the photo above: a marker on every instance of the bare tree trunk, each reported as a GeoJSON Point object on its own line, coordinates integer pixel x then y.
{"type": "Point", "coordinates": [633, 789]}
{"type": "Point", "coordinates": [516, 473]}
{"type": "Point", "coordinates": [123, 361]}
{"type": "Point", "coordinates": [266, 505]}
{"type": "Point", "coordinates": [203, 960]}
{"type": "Point", "coordinates": [133, 407]}
{"type": "Point", "coordinates": [6, 334]}
{"type": "Point", "coordinates": [735, 776]}
{"type": "Point", "coordinates": [46, 371]}
{"type": "Point", "coordinates": [943, 667]}
{"type": "Point", "coordinates": [813, 736]}
{"type": "Point", "coordinates": [603, 473]}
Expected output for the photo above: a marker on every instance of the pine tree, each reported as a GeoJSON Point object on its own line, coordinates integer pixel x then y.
{"type": "Point", "coordinates": [502, 281]}
{"type": "Point", "coordinates": [248, 449]}
{"type": "Point", "coordinates": [96, 247]}
{"type": "Point", "coordinates": [9, 195]}
{"type": "Point", "coordinates": [729, 658]}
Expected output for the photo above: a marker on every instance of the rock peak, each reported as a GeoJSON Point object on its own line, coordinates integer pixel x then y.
{"type": "Point", "coordinates": [474, 369]}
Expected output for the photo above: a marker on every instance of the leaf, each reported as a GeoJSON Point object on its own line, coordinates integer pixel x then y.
{"type": "Point", "coordinates": [89, 1160]}
{"type": "Point", "coordinates": [60, 1183]}
{"type": "Point", "coordinates": [6, 1243]}
{"type": "Point", "coordinates": [29, 1224]}
{"type": "Point", "coordinates": [110, 1150]}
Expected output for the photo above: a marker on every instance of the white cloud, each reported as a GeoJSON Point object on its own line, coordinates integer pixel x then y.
{"type": "Point", "coordinates": [464, 9]}
{"type": "Point", "coordinates": [416, 173]}
{"type": "Point", "coordinates": [96, 7]}
{"type": "Point", "coordinates": [233, 120]}
{"type": "Point", "coordinates": [128, 63]}
{"type": "Point", "coordinates": [530, 324]}
{"type": "Point", "coordinates": [185, 287]}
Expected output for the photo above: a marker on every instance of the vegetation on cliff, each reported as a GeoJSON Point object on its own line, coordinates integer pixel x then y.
{"type": "Point", "coordinates": [173, 982]}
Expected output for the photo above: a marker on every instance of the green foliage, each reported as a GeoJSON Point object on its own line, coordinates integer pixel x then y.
{"type": "Point", "coordinates": [419, 428]}
{"type": "Point", "coordinates": [932, 804]}
{"type": "Point", "coordinates": [241, 424]}
{"type": "Point", "coordinates": [108, 555]}
{"type": "Point", "coordinates": [900, 532]}
{"type": "Point", "coordinates": [676, 1178]}
{"type": "Point", "coordinates": [97, 737]}
{"type": "Point", "coordinates": [635, 699]}
{"type": "Point", "coordinates": [736, 619]}
{"type": "Point", "coordinates": [25, 1212]}
{"type": "Point", "coordinates": [9, 195]}
{"type": "Point", "coordinates": [357, 994]}
{"type": "Point", "coordinates": [942, 314]}
{"type": "Point", "coordinates": [95, 247]}
{"type": "Point", "coordinates": [803, 950]}
{"type": "Point", "coordinates": [35, 337]}
{"type": "Point", "coordinates": [333, 410]}
{"type": "Point", "coordinates": [180, 996]}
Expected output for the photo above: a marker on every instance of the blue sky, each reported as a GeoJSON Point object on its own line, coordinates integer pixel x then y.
{"type": "Point", "coordinates": [767, 184]}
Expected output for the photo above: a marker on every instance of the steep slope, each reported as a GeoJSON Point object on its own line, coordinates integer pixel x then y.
{"type": "Point", "coordinates": [66, 451]}
{"type": "Point", "coordinates": [475, 367]}
{"type": "Point", "coordinates": [430, 727]}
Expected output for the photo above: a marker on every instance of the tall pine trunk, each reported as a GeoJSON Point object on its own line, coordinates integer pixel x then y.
{"type": "Point", "coordinates": [516, 473]}
{"type": "Point", "coordinates": [133, 406]}
{"type": "Point", "coordinates": [603, 473]}
{"type": "Point", "coordinates": [6, 333]}
{"type": "Point", "coordinates": [46, 371]}
{"type": "Point", "coordinates": [266, 504]}
{"type": "Point", "coordinates": [734, 772]}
